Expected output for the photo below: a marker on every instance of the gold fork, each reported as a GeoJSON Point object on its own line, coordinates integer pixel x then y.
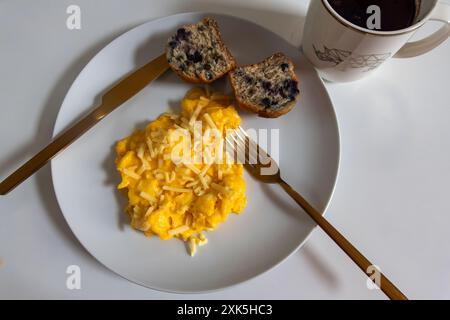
{"type": "Point", "coordinates": [256, 159]}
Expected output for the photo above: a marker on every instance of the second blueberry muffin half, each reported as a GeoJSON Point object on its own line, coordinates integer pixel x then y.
{"type": "Point", "coordinates": [268, 88]}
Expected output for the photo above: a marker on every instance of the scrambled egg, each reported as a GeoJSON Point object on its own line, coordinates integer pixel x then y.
{"type": "Point", "coordinates": [177, 176]}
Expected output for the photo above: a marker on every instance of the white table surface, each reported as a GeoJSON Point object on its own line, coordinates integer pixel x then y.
{"type": "Point", "coordinates": [391, 198]}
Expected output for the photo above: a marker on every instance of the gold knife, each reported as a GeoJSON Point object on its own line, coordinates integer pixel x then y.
{"type": "Point", "coordinates": [121, 92]}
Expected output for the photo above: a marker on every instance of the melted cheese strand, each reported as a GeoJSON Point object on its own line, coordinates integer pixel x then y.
{"type": "Point", "coordinates": [178, 230]}
{"type": "Point", "coordinates": [175, 189]}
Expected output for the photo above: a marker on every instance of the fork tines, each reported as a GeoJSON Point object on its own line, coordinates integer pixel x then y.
{"type": "Point", "coordinates": [245, 149]}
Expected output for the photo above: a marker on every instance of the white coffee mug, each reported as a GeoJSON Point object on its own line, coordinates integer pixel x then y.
{"type": "Point", "coordinates": [342, 51]}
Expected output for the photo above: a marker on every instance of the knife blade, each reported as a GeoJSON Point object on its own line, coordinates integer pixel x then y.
{"type": "Point", "coordinates": [111, 100]}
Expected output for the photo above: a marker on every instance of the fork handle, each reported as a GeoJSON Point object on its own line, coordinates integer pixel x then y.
{"type": "Point", "coordinates": [363, 263]}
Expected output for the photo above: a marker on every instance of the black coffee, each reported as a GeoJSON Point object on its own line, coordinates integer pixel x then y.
{"type": "Point", "coordinates": [393, 14]}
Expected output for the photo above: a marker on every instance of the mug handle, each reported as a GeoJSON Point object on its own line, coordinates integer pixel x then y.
{"type": "Point", "coordinates": [440, 13]}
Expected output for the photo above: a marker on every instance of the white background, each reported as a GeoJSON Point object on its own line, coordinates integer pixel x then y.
{"type": "Point", "coordinates": [391, 198]}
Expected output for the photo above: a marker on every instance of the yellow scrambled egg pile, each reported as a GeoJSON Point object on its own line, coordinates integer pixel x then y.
{"type": "Point", "coordinates": [170, 196]}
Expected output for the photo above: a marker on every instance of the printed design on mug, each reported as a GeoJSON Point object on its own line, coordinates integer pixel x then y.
{"type": "Point", "coordinates": [346, 59]}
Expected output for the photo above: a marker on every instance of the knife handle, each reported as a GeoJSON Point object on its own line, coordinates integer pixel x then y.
{"type": "Point", "coordinates": [61, 142]}
{"type": "Point", "coordinates": [116, 96]}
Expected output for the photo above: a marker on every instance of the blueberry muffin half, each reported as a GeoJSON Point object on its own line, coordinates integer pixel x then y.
{"type": "Point", "coordinates": [197, 53]}
{"type": "Point", "coordinates": [268, 88]}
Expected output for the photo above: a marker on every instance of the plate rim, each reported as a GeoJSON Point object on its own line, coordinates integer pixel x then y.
{"type": "Point", "coordinates": [55, 132]}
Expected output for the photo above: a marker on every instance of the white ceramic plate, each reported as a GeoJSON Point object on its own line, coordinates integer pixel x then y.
{"type": "Point", "coordinates": [272, 225]}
